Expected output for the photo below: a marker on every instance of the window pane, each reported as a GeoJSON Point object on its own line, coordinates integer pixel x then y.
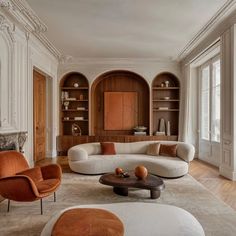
{"type": "Point", "coordinates": [205, 103]}
{"type": "Point", "coordinates": [216, 101]}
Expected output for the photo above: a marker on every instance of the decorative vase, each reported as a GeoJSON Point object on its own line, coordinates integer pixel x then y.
{"type": "Point", "coordinates": [168, 128]}
{"type": "Point", "coordinates": [141, 172]}
{"type": "Point", "coordinates": [162, 125]}
{"type": "Point", "coordinates": [118, 171]}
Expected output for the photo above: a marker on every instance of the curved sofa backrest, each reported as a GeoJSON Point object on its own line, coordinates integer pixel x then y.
{"type": "Point", "coordinates": [184, 150]}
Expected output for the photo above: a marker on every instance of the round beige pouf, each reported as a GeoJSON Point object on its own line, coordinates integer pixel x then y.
{"type": "Point", "coordinates": [139, 218]}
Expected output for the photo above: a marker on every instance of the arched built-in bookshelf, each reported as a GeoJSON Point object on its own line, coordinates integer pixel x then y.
{"type": "Point", "coordinates": [74, 94]}
{"type": "Point", "coordinates": [165, 102]}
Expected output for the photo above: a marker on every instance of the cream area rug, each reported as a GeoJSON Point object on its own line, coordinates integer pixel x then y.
{"type": "Point", "coordinates": [24, 219]}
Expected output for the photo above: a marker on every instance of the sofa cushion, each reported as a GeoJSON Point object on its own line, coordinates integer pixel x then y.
{"type": "Point", "coordinates": [153, 149]}
{"type": "Point", "coordinates": [168, 150]}
{"type": "Point", "coordinates": [108, 149]}
{"type": "Point", "coordinates": [88, 221]}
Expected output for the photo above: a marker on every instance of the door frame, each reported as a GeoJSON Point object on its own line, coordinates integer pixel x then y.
{"type": "Point", "coordinates": [209, 145]}
{"type": "Point", "coordinates": [49, 114]}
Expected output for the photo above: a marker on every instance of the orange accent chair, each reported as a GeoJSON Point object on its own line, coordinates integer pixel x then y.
{"type": "Point", "coordinates": [20, 183]}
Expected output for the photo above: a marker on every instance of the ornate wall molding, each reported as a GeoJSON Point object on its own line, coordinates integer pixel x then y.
{"type": "Point", "coordinates": [8, 27]}
{"type": "Point", "coordinates": [223, 12]}
{"type": "Point", "coordinates": [25, 16]}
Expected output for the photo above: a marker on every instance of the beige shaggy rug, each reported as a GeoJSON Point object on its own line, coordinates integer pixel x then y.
{"type": "Point", "coordinates": [24, 219]}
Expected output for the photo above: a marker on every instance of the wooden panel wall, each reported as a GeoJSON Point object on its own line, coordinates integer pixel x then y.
{"type": "Point", "coordinates": [118, 81]}
{"type": "Point", "coordinates": [65, 142]}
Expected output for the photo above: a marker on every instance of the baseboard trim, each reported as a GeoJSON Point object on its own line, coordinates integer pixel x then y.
{"type": "Point", "coordinates": [210, 161]}
{"type": "Point", "coordinates": [227, 173]}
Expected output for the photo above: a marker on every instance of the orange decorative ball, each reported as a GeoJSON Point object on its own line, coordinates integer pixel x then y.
{"type": "Point", "coordinates": [141, 172]}
{"type": "Point", "coordinates": [118, 171]}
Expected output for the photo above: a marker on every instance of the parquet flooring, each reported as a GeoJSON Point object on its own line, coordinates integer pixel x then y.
{"type": "Point", "coordinates": [204, 173]}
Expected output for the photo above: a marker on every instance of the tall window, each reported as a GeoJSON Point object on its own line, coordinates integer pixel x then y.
{"type": "Point", "coordinates": [210, 101]}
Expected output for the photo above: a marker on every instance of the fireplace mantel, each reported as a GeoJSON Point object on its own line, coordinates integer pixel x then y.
{"type": "Point", "coordinates": [13, 141]}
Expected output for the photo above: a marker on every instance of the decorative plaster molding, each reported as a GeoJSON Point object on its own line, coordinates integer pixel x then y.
{"type": "Point", "coordinates": [24, 15]}
{"type": "Point", "coordinates": [68, 59]}
{"type": "Point", "coordinates": [224, 11]}
{"type": "Point", "coordinates": [5, 4]}
{"type": "Point", "coordinates": [10, 28]}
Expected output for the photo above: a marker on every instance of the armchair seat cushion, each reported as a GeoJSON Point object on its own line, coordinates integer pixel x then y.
{"type": "Point", "coordinates": [47, 186]}
{"type": "Point", "coordinates": [34, 173]}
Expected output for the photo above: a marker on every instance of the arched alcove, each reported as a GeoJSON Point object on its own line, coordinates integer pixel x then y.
{"type": "Point", "coordinates": [75, 105]}
{"type": "Point", "coordinates": [115, 93]}
{"type": "Point", "coordinates": [165, 103]}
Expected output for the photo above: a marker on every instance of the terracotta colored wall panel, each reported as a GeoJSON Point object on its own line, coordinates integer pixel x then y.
{"type": "Point", "coordinates": [130, 110]}
{"type": "Point", "coordinates": [113, 111]}
{"type": "Point", "coordinates": [120, 110]}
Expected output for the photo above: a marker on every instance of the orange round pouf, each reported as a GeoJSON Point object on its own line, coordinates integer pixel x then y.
{"type": "Point", "coordinates": [88, 222]}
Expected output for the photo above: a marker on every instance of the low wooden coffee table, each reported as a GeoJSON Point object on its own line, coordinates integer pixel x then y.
{"type": "Point", "coordinates": [121, 184]}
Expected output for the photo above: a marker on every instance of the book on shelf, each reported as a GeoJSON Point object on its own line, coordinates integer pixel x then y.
{"type": "Point", "coordinates": [163, 108]}
{"type": "Point", "coordinates": [79, 118]}
{"type": "Point", "coordinates": [160, 133]}
{"type": "Point", "coordinates": [81, 108]}
{"type": "Point", "coordinates": [71, 99]}
{"type": "Point", "coordinates": [140, 133]}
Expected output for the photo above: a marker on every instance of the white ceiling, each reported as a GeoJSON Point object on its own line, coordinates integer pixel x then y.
{"type": "Point", "coordinates": [123, 28]}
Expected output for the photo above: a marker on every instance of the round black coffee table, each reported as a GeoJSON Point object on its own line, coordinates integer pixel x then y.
{"type": "Point", "coordinates": [121, 184]}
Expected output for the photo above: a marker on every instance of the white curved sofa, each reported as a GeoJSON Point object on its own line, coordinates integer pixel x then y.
{"type": "Point", "coordinates": [87, 159]}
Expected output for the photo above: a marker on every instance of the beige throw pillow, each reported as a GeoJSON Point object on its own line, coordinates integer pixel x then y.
{"type": "Point", "coordinates": [153, 149]}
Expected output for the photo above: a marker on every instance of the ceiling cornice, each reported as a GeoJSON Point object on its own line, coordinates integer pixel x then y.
{"type": "Point", "coordinates": [23, 13]}
{"type": "Point", "coordinates": [223, 12]}
{"type": "Point", "coordinates": [67, 59]}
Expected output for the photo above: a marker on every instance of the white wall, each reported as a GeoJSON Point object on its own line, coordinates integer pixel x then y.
{"type": "Point", "coordinates": [225, 31]}
{"type": "Point", "coordinates": [20, 53]}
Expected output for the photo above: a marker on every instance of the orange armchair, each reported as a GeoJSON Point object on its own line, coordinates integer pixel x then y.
{"type": "Point", "coordinates": [20, 183]}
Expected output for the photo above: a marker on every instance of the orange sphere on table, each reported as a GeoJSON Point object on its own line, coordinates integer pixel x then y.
{"type": "Point", "coordinates": [141, 172]}
{"type": "Point", "coordinates": [118, 171]}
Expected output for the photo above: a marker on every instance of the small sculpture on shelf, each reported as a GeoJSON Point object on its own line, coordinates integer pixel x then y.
{"type": "Point", "coordinates": [66, 104]}
{"type": "Point", "coordinates": [76, 130]}
{"type": "Point", "coordinates": [167, 83]}
{"type": "Point", "coordinates": [168, 128]}
{"type": "Point", "coordinates": [76, 85]}
{"type": "Point", "coordinates": [66, 95]}
{"type": "Point", "coordinates": [81, 97]}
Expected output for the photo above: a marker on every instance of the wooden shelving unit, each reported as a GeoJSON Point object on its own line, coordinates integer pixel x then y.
{"type": "Point", "coordinates": [74, 90]}
{"type": "Point", "coordinates": [166, 95]}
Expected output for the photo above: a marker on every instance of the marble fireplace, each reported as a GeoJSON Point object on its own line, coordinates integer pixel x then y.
{"type": "Point", "coordinates": [13, 141]}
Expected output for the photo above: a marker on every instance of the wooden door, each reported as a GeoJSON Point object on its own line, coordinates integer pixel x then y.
{"type": "Point", "coordinates": [39, 116]}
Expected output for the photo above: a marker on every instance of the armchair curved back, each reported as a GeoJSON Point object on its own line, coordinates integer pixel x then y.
{"type": "Point", "coordinates": [12, 162]}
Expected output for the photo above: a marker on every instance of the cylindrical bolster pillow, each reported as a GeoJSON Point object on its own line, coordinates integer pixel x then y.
{"type": "Point", "coordinates": [89, 222]}
{"type": "Point", "coordinates": [77, 154]}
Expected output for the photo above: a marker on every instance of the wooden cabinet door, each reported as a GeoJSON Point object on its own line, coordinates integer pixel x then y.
{"type": "Point", "coordinates": [39, 116]}
{"type": "Point", "coordinates": [120, 110]}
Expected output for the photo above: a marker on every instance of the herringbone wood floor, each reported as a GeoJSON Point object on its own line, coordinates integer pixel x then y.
{"type": "Point", "coordinates": [206, 174]}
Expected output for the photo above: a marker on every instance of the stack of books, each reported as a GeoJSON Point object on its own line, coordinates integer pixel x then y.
{"type": "Point", "coordinates": [79, 118]}
{"type": "Point", "coordinates": [71, 99]}
{"type": "Point", "coordinates": [163, 108]}
{"type": "Point", "coordinates": [140, 133]}
{"type": "Point", "coordinates": [159, 133]}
